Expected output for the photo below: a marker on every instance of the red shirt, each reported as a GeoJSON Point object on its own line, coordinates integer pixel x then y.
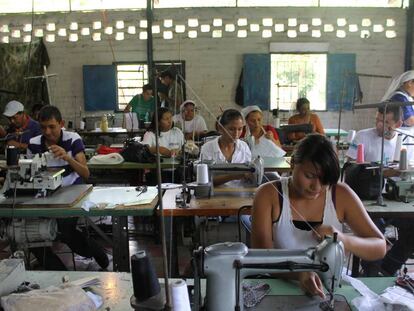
{"type": "Point", "coordinates": [266, 128]}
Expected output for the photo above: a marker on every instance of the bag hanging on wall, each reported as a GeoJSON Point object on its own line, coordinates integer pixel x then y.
{"type": "Point", "coordinates": [363, 178]}
{"type": "Point", "coordinates": [137, 152]}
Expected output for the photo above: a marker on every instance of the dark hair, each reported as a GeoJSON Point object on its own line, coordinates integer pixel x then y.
{"type": "Point", "coordinates": [318, 150]}
{"type": "Point", "coordinates": [36, 108]}
{"type": "Point", "coordinates": [227, 116]}
{"type": "Point", "coordinates": [300, 102]}
{"type": "Point", "coordinates": [147, 87]}
{"type": "Point", "coordinates": [161, 112]}
{"type": "Point", "coordinates": [50, 112]}
{"type": "Point", "coordinates": [166, 73]}
{"type": "Point", "coordinates": [395, 110]}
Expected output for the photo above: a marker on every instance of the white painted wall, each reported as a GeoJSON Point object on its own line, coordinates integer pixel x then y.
{"type": "Point", "coordinates": [213, 65]}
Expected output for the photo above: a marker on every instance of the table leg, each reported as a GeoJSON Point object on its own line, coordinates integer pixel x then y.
{"type": "Point", "coordinates": [121, 243]}
{"type": "Point", "coordinates": [171, 232]}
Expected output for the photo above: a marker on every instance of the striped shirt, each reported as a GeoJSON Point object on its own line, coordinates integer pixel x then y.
{"type": "Point", "coordinates": [72, 143]}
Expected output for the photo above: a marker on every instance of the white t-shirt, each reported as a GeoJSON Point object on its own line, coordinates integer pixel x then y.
{"type": "Point", "coordinates": [196, 124]}
{"type": "Point", "coordinates": [211, 151]}
{"type": "Point", "coordinates": [172, 139]}
{"type": "Point", "coordinates": [372, 146]}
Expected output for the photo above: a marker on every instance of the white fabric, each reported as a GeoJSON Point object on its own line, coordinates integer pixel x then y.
{"type": "Point", "coordinates": [397, 82]}
{"type": "Point", "coordinates": [49, 299]}
{"type": "Point", "coordinates": [287, 236]}
{"type": "Point", "coordinates": [188, 101]}
{"type": "Point", "coordinates": [246, 110]}
{"type": "Point", "coordinates": [110, 158]}
{"type": "Point", "coordinates": [264, 147]}
{"type": "Point", "coordinates": [211, 151]}
{"type": "Point", "coordinates": [172, 139]}
{"type": "Point", "coordinates": [197, 124]}
{"type": "Point", "coordinates": [372, 146]}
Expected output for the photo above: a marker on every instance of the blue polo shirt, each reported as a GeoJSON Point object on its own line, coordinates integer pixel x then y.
{"type": "Point", "coordinates": [72, 143]}
{"type": "Point", "coordinates": [30, 130]}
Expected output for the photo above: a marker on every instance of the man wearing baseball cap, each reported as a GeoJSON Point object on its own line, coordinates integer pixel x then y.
{"type": "Point", "coordinates": [22, 128]}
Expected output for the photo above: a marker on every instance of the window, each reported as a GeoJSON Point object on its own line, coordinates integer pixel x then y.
{"type": "Point", "coordinates": [130, 80]}
{"type": "Point", "coordinates": [298, 75]}
{"type": "Point", "coordinates": [131, 77]}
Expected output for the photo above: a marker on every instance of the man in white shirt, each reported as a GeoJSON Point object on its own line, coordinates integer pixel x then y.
{"type": "Point", "coordinates": [192, 124]}
{"type": "Point", "coordinates": [371, 139]}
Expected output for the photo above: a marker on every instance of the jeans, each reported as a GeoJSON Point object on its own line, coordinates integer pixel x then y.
{"type": "Point", "coordinates": [402, 249]}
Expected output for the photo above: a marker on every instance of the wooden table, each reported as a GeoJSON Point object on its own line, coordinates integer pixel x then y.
{"type": "Point", "coordinates": [165, 163]}
{"type": "Point", "coordinates": [117, 287]}
{"type": "Point", "coordinates": [225, 202]}
{"type": "Point", "coordinates": [119, 215]}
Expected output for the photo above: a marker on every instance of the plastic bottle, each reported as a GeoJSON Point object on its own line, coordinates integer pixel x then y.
{"type": "Point", "coordinates": [104, 123]}
{"type": "Point", "coordinates": [147, 117]}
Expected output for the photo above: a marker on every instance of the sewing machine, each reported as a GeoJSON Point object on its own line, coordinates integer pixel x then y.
{"type": "Point", "coordinates": [225, 265]}
{"type": "Point", "coordinates": [402, 187]}
{"type": "Point", "coordinates": [32, 175]}
{"type": "Point", "coordinates": [256, 167]}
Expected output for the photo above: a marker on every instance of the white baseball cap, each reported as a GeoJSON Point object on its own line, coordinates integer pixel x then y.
{"type": "Point", "coordinates": [12, 108]}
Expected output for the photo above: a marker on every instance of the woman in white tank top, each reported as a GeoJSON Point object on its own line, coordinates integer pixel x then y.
{"type": "Point", "coordinates": [296, 212]}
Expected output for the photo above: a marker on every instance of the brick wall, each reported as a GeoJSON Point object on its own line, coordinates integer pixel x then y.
{"type": "Point", "coordinates": [213, 64]}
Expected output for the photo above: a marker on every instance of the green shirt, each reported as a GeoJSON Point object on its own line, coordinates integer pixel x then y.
{"type": "Point", "coordinates": [141, 107]}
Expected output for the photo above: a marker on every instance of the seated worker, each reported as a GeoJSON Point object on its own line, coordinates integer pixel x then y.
{"type": "Point", "coordinates": [371, 138]}
{"type": "Point", "coordinates": [142, 104]}
{"type": "Point", "coordinates": [298, 211]}
{"type": "Point", "coordinates": [401, 89]}
{"type": "Point", "coordinates": [304, 116]}
{"type": "Point", "coordinates": [263, 140]}
{"type": "Point", "coordinates": [227, 148]}
{"type": "Point", "coordinates": [22, 128]}
{"type": "Point", "coordinates": [69, 153]}
{"type": "Point", "coordinates": [192, 125]}
{"type": "Point", "coordinates": [403, 248]}
{"type": "Point", "coordinates": [170, 139]}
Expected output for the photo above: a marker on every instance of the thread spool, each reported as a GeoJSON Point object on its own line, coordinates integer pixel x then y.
{"type": "Point", "coordinates": [179, 293]}
{"type": "Point", "coordinates": [403, 160]}
{"type": "Point", "coordinates": [12, 156]}
{"type": "Point", "coordinates": [202, 174]}
{"type": "Point", "coordinates": [144, 278]}
{"type": "Point", "coordinates": [398, 146]}
{"type": "Point", "coordinates": [360, 154]}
